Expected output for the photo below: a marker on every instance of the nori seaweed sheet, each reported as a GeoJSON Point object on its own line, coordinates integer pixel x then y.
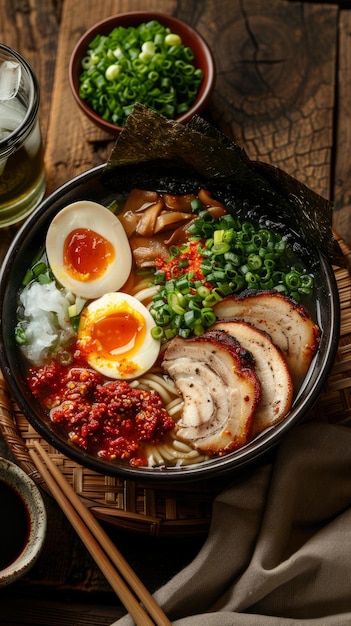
{"type": "Point", "coordinates": [154, 153]}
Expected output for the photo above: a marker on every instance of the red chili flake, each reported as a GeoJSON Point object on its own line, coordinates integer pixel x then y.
{"type": "Point", "coordinates": [81, 382]}
{"type": "Point", "coordinates": [47, 379]}
{"type": "Point", "coordinates": [172, 268]}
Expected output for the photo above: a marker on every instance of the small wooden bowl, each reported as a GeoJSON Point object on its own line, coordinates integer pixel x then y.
{"type": "Point", "coordinates": [203, 59]}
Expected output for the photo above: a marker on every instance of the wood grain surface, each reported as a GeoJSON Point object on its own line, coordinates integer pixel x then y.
{"type": "Point", "coordinates": [283, 84]}
{"type": "Point", "coordinates": [341, 161]}
{"type": "Point", "coordinates": [274, 91]}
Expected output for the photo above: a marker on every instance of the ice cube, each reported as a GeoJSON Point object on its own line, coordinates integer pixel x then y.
{"type": "Point", "coordinates": [32, 143]}
{"type": "Point", "coordinates": [10, 78]}
{"type": "Point", "coordinates": [12, 114]}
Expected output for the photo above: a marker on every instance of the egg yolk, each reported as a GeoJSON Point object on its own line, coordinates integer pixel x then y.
{"type": "Point", "coordinates": [119, 333]}
{"type": "Point", "coordinates": [87, 254]}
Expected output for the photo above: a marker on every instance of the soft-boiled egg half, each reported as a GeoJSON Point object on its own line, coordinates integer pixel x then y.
{"type": "Point", "coordinates": [88, 249]}
{"type": "Point", "coordinates": [114, 336]}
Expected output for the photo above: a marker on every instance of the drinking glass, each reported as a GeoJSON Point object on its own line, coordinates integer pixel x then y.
{"type": "Point", "coordinates": [22, 171]}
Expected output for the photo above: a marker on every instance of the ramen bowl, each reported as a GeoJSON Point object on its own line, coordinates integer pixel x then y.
{"type": "Point", "coordinates": [30, 240]}
{"type": "Point", "coordinates": [202, 60]}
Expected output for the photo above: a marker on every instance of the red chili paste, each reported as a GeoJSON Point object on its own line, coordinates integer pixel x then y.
{"type": "Point", "coordinates": [107, 417]}
{"type": "Point", "coordinates": [173, 267]}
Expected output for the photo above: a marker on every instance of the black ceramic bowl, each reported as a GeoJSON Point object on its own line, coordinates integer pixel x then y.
{"type": "Point", "coordinates": [31, 238]}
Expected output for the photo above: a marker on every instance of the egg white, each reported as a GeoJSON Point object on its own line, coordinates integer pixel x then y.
{"type": "Point", "coordinates": [95, 217]}
{"type": "Point", "coordinates": [117, 364]}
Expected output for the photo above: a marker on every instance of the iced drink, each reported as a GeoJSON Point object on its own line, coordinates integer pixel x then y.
{"type": "Point", "coordinates": [22, 173]}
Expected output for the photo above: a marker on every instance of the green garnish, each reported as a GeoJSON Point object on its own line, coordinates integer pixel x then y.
{"type": "Point", "coordinates": [146, 64]}
{"type": "Point", "coordinates": [39, 271]}
{"type": "Point", "coordinates": [225, 256]}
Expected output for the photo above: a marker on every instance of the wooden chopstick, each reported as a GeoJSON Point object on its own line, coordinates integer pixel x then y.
{"type": "Point", "coordinates": [100, 546]}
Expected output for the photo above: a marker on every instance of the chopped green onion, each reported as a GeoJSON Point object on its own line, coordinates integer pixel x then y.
{"type": "Point", "coordinates": [208, 316]}
{"type": "Point", "coordinates": [211, 299]}
{"type": "Point", "coordinates": [27, 277]}
{"type": "Point", "coordinates": [233, 256]}
{"type": "Point", "coordinates": [306, 283]}
{"type": "Point", "coordinates": [254, 261]}
{"type": "Point", "coordinates": [75, 319]}
{"type": "Point", "coordinates": [170, 333]}
{"type": "Point", "coordinates": [203, 291]}
{"type": "Point", "coordinates": [292, 280]}
{"type": "Point", "coordinates": [173, 40]}
{"type": "Point", "coordinates": [196, 205]}
{"type": "Point", "coordinates": [220, 248]}
{"type": "Point", "coordinates": [184, 332]}
{"type": "Point", "coordinates": [147, 64]}
{"type": "Point", "coordinates": [112, 72]}
{"type": "Point", "coordinates": [39, 268]}
{"type": "Point", "coordinates": [20, 336]}
{"type": "Point", "coordinates": [156, 332]}
{"type": "Point", "coordinates": [40, 272]}
{"type": "Point", "coordinates": [183, 263]}
{"type": "Point", "coordinates": [173, 301]}
{"type": "Point", "coordinates": [45, 279]}
{"type": "Point", "coordinates": [191, 317]}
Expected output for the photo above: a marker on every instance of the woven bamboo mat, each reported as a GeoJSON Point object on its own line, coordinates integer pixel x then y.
{"type": "Point", "coordinates": [177, 511]}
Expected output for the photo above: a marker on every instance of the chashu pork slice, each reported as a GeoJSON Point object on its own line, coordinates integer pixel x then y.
{"type": "Point", "coordinates": [220, 388]}
{"type": "Point", "coordinates": [271, 368]}
{"type": "Point", "coordinates": [288, 323]}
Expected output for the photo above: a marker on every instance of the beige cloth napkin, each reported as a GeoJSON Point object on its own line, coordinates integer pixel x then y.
{"type": "Point", "coordinates": [279, 547]}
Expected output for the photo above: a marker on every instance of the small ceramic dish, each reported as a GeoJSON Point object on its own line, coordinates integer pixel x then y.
{"type": "Point", "coordinates": [22, 522]}
{"type": "Point", "coordinates": [203, 60]}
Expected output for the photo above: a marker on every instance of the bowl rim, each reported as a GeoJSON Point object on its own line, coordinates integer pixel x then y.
{"type": "Point", "coordinates": [205, 90]}
{"type": "Point", "coordinates": [217, 467]}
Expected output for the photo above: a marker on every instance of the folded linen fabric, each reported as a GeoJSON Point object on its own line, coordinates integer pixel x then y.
{"type": "Point", "coordinates": [279, 546]}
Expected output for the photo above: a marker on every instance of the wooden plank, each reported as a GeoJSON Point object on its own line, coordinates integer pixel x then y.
{"type": "Point", "coordinates": [274, 91]}
{"type": "Point", "coordinates": [275, 87]}
{"type": "Point", "coordinates": [74, 144]}
{"type": "Point", "coordinates": [18, 611]}
{"type": "Point", "coordinates": [342, 177]}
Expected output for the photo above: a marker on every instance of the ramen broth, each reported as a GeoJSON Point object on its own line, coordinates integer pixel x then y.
{"type": "Point", "coordinates": [153, 224]}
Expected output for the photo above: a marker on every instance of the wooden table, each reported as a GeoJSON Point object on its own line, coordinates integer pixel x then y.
{"type": "Point", "coordinates": [283, 92]}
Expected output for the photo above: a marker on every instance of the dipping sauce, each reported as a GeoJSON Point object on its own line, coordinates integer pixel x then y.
{"type": "Point", "coordinates": [14, 525]}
